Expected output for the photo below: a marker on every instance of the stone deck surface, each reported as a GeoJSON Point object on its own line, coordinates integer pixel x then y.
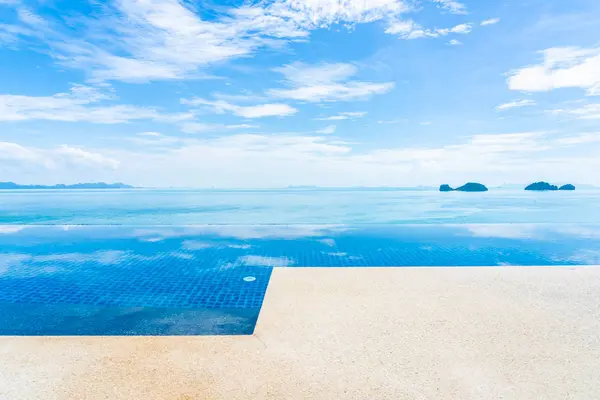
{"type": "Point", "coordinates": [350, 333]}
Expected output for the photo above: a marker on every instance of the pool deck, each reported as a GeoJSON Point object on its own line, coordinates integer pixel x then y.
{"type": "Point", "coordinates": [350, 333]}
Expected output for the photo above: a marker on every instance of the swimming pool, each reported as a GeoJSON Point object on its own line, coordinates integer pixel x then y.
{"type": "Point", "coordinates": [212, 279]}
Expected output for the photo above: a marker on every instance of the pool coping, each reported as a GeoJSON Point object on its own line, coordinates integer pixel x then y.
{"type": "Point", "coordinates": [350, 333]}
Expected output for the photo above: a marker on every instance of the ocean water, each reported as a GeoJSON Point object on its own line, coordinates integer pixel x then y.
{"type": "Point", "coordinates": [193, 207]}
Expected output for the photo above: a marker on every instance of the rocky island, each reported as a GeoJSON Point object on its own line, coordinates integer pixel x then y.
{"type": "Point", "coordinates": [541, 186]}
{"type": "Point", "coordinates": [467, 187]}
{"type": "Point", "coordinates": [567, 187]}
{"type": "Point", "coordinates": [545, 186]}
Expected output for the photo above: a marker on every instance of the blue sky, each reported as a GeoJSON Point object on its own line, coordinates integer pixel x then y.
{"type": "Point", "coordinates": [299, 92]}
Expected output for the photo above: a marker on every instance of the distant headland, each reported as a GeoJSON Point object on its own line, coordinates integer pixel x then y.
{"type": "Point", "coordinates": [467, 187]}
{"type": "Point", "coordinates": [98, 185]}
{"type": "Point", "coordinates": [545, 186]}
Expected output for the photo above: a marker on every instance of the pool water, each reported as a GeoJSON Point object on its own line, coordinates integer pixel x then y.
{"type": "Point", "coordinates": [212, 279]}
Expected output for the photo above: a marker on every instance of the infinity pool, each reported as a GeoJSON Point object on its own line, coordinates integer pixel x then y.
{"type": "Point", "coordinates": [212, 279]}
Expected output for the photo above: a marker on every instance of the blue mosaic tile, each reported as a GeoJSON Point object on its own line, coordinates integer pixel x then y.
{"type": "Point", "coordinates": [219, 273]}
{"type": "Point", "coordinates": [69, 319]}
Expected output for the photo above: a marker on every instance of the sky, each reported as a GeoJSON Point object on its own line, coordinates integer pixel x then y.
{"type": "Point", "coordinates": [231, 93]}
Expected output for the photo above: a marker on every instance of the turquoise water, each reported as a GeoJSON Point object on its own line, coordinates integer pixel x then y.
{"type": "Point", "coordinates": [191, 207]}
{"type": "Point", "coordinates": [212, 279]}
{"type": "Point", "coordinates": [198, 262]}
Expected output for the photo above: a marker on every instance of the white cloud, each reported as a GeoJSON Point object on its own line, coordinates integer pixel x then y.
{"type": "Point", "coordinates": [154, 139]}
{"type": "Point", "coordinates": [327, 130]}
{"type": "Point", "coordinates": [455, 42]}
{"type": "Point", "coordinates": [79, 157]}
{"type": "Point", "coordinates": [425, 123]}
{"type": "Point", "coordinates": [265, 110]}
{"type": "Point", "coordinates": [515, 104]}
{"type": "Point", "coordinates": [461, 28]}
{"type": "Point", "coordinates": [199, 127]}
{"type": "Point", "coordinates": [77, 105]}
{"type": "Point", "coordinates": [325, 82]}
{"type": "Point", "coordinates": [344, 115]}
{"type": "Point", "coordinates": [241, 126]}
{"type": "Point", "coordinates": [60, 157]}
{"type": "Point", "coordinates": [491, 21]}
{"type": "Point", "coordinates": [11, 34]}
{"type": "Point", "coordinates": [453, 6]}
{"type": "Point", "coordinates": [579, 139]}
{"type": "Point", "coordinates": [151, 134]}
{"type": "Point", "coordinates": [562, 67]}
{"type": "Point", "coordinates": [408, 29]}
{"type": "Point", "coordinates": [15, 152]}
{"type": "Point", "coordinates": [498, 150]}
{"type": "Point", "coordinates": [589, 111]}
{"type": "Point", "coordinates": [139, 41]}
{"type": "Point", "coordinates": [29, 18]}
{"type": "Point", "coordinates": [256, 111]}
{"type": "Point", "coordinates": [238, 98]}
{"type": "Point", "coordinates": [296, 17]}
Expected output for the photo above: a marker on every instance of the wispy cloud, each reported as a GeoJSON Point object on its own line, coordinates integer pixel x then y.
{"type": "Point", "coordinates": [60, 157]}
{"type": "Point", "coordinates": [199, 127]}
{"type": "Point", "coordinates": [325, 83]}
{"type": "Point", "coordinates": [491, 21]}
{"type": "Point", "coordinates": [239, 98]}
{"type": "Point", "coordinates": [452, 6]}
{"type": "Point", "coordinates": [455, 42]}
{"type": "Point", "coordinates": [154, 139]}
{"type": "Point", "coordinates": [139, 41]}
{"type": "Point", "coordinates": [579, 139]}
{"type": "Point", "coordinates": [343, 116]}
{"type": "Point", "coordinates": [588, 111]}
{"type": "Point", "coordinates": [327, 130]}
{"type": "Point", "coordinates": [80, 104]}
{"type": "Point", "coordinates": [562, 67]}
{"type": "Point", "coordinates": [408, 29]}
{"type": "Point", "coordinates": [255, 111]}
{"type": "Point", "coordinates": [515, 104]}
{"type": "Point", "coordinates": [150, 134]}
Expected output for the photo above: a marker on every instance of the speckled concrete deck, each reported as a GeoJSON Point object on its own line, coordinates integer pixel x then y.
{"type": "Point", "coordinates": [350, 333]}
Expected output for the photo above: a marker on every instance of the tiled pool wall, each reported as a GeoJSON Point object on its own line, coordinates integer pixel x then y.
{"type": "Point", "coordinates": [195, 280]}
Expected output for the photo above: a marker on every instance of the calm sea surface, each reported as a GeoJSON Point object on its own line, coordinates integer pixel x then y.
{"type": "Point", "coordinates": [189, 207]}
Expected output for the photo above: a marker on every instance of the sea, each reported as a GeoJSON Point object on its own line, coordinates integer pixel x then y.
{"type": "Point", "coordinates": [294, 206]}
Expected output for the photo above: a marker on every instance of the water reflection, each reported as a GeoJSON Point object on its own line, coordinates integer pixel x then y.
{"type": "Point", "coordinates": [214, 247]}
{"type": "Point", "coordinates": [55, 277]}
